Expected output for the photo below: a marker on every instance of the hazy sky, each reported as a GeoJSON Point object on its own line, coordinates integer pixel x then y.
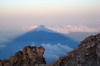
{"type": "Point", "coordinates": [59, 15]}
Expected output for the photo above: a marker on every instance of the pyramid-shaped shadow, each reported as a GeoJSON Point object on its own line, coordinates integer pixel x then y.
{"type": "Point", "coordinates": [36, 37]}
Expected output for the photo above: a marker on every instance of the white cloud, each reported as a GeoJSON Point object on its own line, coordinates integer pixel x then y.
{"type": "Point", "coordinates": [30, 27]}
{"type": "Point", "coordinates": [58, 48]}
{"type": "Point", "coordinates": [54, 51]}
{"type": "Point", "coordinates": [3, 41]}
{"type": "Point", "coordinates": [68, 28]}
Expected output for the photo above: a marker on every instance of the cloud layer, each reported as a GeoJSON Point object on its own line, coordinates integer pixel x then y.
{"type": "Point", "coordinates": [30, 27]}
{"type": "Point", "coordinates": [53, 52]}
{"type": "Point", "coordinates": [3, 41]}
{"type": "Point", "coordinates": [67, 28]}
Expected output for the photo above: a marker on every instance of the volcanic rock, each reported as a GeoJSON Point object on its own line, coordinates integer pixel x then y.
{"type": "Point", "coordinates": [87, 54]}
{"type": "Point", "coordinates": [28, 57]}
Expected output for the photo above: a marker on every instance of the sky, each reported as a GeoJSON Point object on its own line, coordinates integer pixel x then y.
{"type": "Point", "coordinates": [64, 16]}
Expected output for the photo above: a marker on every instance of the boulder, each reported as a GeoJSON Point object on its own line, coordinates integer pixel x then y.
{"type": "Point", "coordinates": [29, 56]}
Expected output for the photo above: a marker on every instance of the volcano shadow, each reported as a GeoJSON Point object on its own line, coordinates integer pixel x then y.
{"type": "Point", "coordinates": [37, 37]}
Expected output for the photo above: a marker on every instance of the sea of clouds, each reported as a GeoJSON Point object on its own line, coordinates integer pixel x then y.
{"type": "Point", "coordinates": [53, 52]}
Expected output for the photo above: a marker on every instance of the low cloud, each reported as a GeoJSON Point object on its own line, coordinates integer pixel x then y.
{"type": "Point", "coordinates": [67, 28]}
{"type": "Point", "coordinates": [3, 41]}
{"type": "Point", "coordinates": [70, 28]}
{"type": "Point", "coordinates": [54, 51]}
{"type": "Point", "coordinates": [30, 27]}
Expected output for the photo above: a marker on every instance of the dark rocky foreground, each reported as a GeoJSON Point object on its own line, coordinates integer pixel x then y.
{"type": "Point", "coordinates": [87, 54]}
{"type": "Point", "coordinates": [28, 57]}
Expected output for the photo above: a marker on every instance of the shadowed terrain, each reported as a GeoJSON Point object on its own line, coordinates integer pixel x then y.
{"type": "Point", "coordinates": [41, 36]}
{"type": "Point", "coordinates": [87, 54]}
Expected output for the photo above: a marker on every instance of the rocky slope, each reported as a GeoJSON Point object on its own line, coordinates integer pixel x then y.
{"type": "Point", "coordinates": [28, 57]}
{"type": "Point", "coordinates": [87, 54]}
